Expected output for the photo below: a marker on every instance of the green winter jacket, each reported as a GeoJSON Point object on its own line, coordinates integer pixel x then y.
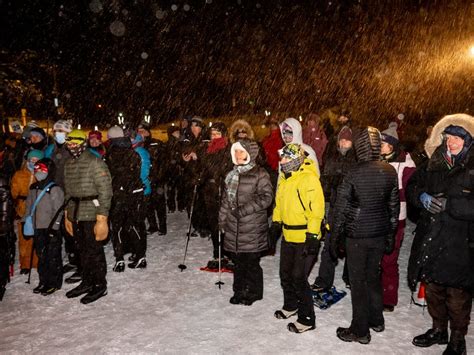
{"type": "Point", "coordinates": [87, 181]}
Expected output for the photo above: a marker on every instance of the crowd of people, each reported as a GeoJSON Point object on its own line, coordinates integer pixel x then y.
{"type": "Point", "coordinates": [352, 188]}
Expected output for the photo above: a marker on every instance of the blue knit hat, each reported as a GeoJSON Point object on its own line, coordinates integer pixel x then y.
{"type": "Point", "coordinates": [35, 153]}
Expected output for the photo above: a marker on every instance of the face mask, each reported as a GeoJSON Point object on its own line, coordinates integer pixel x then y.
{"type": "Point", "coordinates": [30, 166]}
{"type": "Point", "coordinates": [60, 137]}
{"type": "Point", "coordinates": [344, 150]}
{"type": "Point", "coordinates": [40, 175]}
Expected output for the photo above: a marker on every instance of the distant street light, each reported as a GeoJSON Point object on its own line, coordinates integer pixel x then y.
{"type": "Point", "coordinates": [471, 51]}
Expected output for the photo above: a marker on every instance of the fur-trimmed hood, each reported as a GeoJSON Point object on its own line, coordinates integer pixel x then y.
{"type": "Point", "coordinates": [240, 125]}
{"type": "Point", "coordinates": [436, 138]}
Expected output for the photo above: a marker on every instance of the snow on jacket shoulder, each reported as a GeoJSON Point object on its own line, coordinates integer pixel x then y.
{"type": "Point", "coordinates": [299, 203]}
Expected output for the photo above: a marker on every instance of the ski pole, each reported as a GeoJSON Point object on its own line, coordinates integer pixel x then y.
{"type": "Point", "coordinates": [220, 283]}
{"type": "Point", "coordinates": [183, 265]}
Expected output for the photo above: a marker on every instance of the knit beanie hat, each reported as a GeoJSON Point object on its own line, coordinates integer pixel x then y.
{"type": "Point", "coordinates": [63, 125]}
{"type": "Point", "coordinates": [390, 135]}
{"type": "Point", "coordinates": [459, 131]}
{"type": "Point", "coordinates": [219, 127]}
{"type": "Point", "coordinates": [95, 134]}
{"type": "Point", "coordinates": [35, 153]}
{"type": "Point", "coordinates": [144, 125]}
{"type": "Point", "coordinates": [295, 153]}
{"type": "Point", "coordinates": [345, 133]}
{"type": "Point", "coordinates": [238, 145]}
{"type": "Point", "coordinates": [76, 136]}
{"type": "Point", "coordinates": [37, 131]}
{"type": "Point", "coordinates": [115, 132]}
{"type": "Point", "coordinates": [197, 121]}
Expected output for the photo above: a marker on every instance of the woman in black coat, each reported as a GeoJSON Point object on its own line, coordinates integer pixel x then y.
{"type": "Point", "coordinates": [243, 218]}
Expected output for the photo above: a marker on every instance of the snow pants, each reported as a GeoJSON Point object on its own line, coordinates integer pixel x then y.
{"type": "Point", "coordinates": [94, 266]}
{"type": "Point", "coordinates": [50, 262]}
{"type": "Point", "coordinates": [294, 272]}
{"type": "Point", "coordinates": [210, 193]}
{"type": "Point", "coordinates": [364, 256]}
{"type": "Point", "coordinates": [157, 202]}
{"type": "Point", "coordinates": [128, 225]}
{"type": "Point", "coordinates": [248, 275]}
{"type": "Point", "coordinates": [327, 269]}
{"type": "Point", "coordinates": [448, 304]}
{"type": "Point", "coordinates": [390, 274]}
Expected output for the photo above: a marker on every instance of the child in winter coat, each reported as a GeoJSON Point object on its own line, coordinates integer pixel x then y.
{"type": "Point", "coordinates": [47, 239]}
{"type": "Point", "coordinates": [243, 218]}
{"type": "Point", "coordinates": [20, 185]}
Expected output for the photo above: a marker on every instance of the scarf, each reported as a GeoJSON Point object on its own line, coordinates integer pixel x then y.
{"type": "Point", "coordinates": [232, 180]}
{"type": "Point", "coordinates": [292, 165]}
{"type": "Point", "coordinates": [77, 150]}
{"type": "Point", "coordinates": [217, 144]}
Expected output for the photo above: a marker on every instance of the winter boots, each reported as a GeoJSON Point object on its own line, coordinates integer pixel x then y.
{"type": "Point", "coordinates": [456, 345]}
{"type": "Point", "coordinates": [94, 294]}
{"type": "Point", "coordinates": [284, 314]}
{"type": "Point", "coordinates": [345, 334]}
{"type": "Point", "coordinates": [298, 327]}
{"type": "Point", "coordinates": [119, 266]}
{"type": "Point", "coordinates": [431, 337]}
{"type": "Point", "coordinates": [79, 290]}
{"type": "Point", "coordinates": [138, 264]}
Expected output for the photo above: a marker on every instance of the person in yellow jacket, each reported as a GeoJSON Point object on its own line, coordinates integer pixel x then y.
{"type": "Point", "coordinates": [20, 185]}
{"type": "Point", "coordinates": [299, 210]}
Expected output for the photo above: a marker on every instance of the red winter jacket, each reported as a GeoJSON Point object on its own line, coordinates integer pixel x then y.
{"type": "Point", "coordinates": [271, 144]}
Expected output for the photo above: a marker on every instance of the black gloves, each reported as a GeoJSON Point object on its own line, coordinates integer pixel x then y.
{"type": "Point", "coordinates": [337, 245]}
{"type": "Point", "coordinates": [312, 244]}
{"type": "Point", "coordinates": [274, 234]}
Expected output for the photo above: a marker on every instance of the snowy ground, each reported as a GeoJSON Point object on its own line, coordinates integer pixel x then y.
{"type": "Point", "coordinates": [161, 309]}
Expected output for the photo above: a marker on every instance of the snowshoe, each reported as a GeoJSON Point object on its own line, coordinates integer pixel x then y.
{"type": "Point", "coordinates": [297, 327]}
{"type": "Point", "coordinates": [318, 288]}
{"type": "Point", "coordinates": [94, 294]}
{"type": "Point", "coordinates": [119, 266]}
{"type": "Point", "coordinates": [79, 290]}
{"type": "Point", "coordinates": [75, 277]}
{"type": "Point", "coordinates": [205, 268]}
{"type": "Point", "coordinates": [138, 264]}
{"type": "Point", "coordinates": [284, 314]}
{"type": "Point", "coordinates": [325, 299]}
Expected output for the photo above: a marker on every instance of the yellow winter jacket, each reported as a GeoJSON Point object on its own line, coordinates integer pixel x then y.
{"type": "Point", "coordinates": [299, 203]}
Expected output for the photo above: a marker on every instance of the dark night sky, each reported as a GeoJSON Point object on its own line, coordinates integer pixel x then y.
{"type": "Point", "coordinates": [240, 57]}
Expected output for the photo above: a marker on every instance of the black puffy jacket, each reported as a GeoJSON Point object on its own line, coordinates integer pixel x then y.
{"type": "Point", "coordinates": [368, 203]}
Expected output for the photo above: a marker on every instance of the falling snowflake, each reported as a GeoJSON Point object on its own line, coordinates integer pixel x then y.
{"type": "Point", "coordinates": [160, 14]}
{"type": "Point", "coordinates": [117, 28]}
{"type": "Point", "coordinates": [128, 73]}
{"type": "Point", "coordinates": [144, 55]}
{"type": "Point", "coordinates": [139, 83]}
{"type": "Point", "coordinates": [174, 7]}
{"type": "Point", "coordinates": [96, 6]}
{"type": "Point", "coordinates": [186, 7]}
